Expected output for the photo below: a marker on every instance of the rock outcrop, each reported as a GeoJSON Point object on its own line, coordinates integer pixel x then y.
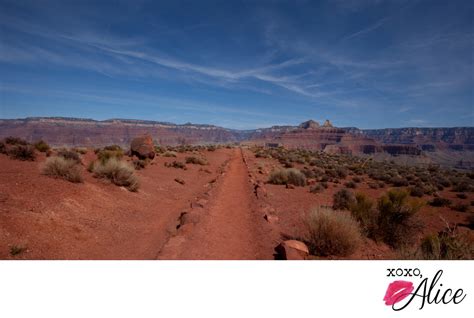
{"type": "Point", "coordinates": [310, 124]}
{"type": "Point", "coordinates": [327, 123]}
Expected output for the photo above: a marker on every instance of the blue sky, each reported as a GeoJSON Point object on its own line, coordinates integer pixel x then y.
{"type": "Point", "coordinates": [240, 64]}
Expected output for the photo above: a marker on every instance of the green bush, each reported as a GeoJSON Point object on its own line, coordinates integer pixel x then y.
{"type": "Point", "coordinates": [42, 146]}
{"type": "Point", "coordinates": [448, 244]}
{"type": "Point", "coordinates": [15, 141]}
{"type": "Point", "coordinates": [397, 225]}
{"type": "Point", "coordinates": [362, 210]}
{"type": "Point", "coordinates": [439, 202]}
{"type": "Point", "coordinates": [332, 233]}
{"type": "Point", "coordinates": [21, 152]}
{"type": "Point", "coordinates": [66, 169]}
{"type": "Point", "coordinates": [343, 199]}
{"type": "Point", "coordinates": [287, 176]}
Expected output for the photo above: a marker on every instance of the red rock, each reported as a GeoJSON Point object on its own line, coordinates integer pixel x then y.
{"type": "Point", "coordinates": [143, 147]}
{"type": "Point", "coordinates": [293, 250]}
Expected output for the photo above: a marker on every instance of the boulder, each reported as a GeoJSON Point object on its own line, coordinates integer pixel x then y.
{"type": "Point", "coordinates": [143, 147]}
{"type": "Point", "coordinates": [292, 250]}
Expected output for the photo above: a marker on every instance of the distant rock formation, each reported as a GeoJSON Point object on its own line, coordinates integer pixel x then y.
{"type": "Point", "coordinates": [327, 123]}
{"type": "Point", "coordinates": [310, 124]}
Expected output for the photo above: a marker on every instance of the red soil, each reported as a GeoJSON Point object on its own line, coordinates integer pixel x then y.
{"type": "Point", "coordinates": [56, 219]}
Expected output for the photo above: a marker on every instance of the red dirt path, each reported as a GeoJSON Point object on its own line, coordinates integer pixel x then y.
{"type": "Point", "coordinates": [231, 228]}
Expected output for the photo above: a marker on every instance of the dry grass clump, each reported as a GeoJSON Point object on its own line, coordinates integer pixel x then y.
{"type": "Point", "coordinates": [108, 152]}
{"type": "Point", "coordinates": [176, 164]}
{"type": "Point", "coordinates": [196, 160]}
{"type": "Point", "coordinates": [332, 233]}
{"type": "Point", "coordinates": [118, 172]}
{"type": "Point", "coordinates": [170, 154]}
{"type": "Point", "coordinates": [287, 176]}
{"type": "Point", "coordinates": [69, 154]}
{"type": "Point", "coordinates": [67, 169]}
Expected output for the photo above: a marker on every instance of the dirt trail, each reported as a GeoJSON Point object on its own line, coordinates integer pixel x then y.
{"type": "Point", "coordinates": [229, 228]}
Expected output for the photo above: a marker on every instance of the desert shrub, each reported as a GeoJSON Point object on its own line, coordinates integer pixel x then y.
{"type": "Point", "coordinates": [169, 154]}
{"type": "Point", "coordinates": [462, 186]}
{"type": "Point", "coordinates": [3, 147]}
{"type": "Point", "coordinates": [21, 152]}
{"type": "Point", "coordinates": [118, 172]}
{"type": "Point", "coordinates": [15, 141]}
{"type": "Point", "coordinates": [308, 173]}
{"type": "Point", "coordinates": [176, 164]}
{"type": "Point", "coordinates": [362, 210]}
{"type": "Point", "coordinates": [439, 202]}
{"type": "Point", "coordinates": [17, 249]}
{"type": "Point", "coordinates": [460, 207]}
{"type": "Point", "coordinates": [416, 192]}
{"type": "Point", "coordinates": [350, 184]}
{"type": "Point", "coordinates": [341, 172]}
{"type": "Point", "coordinates": [80, 150]}
{"type": "Point", "coordinates": [397, 224]}
{"type": "Point", "coordinates": [139, 164]}
{"type": "Point", "coordinates": [343, 199]}
{"type": "Point", "coordinates": [196, 160]}
{"type": "Point", "coordinates": [287, 176]}
{"type": "Point", "coordinates": [461, 195]}
{"type": "Point", "coordinates": [317, 188]}
{"type": "Point", "coordinates": [66, 169]}
{"type": "Point", "coordinates": [448, 244]}
{"type": "Point", "coordinates": [41, 146]}
{"type": "Point", "coordinates": [109, 152]}
{"type": "Point", "coordinates": [113, 148]}
{"type": "Point", "coordinates": [332, 233]}
{"type": "Point", "coordinates": [69, 154]}
{"type": "Point", "coordinates": [399, 182]}
{"type": "Point", "coordinates": [211, 148]}
{"type": "Point", "coordinates": [357, 179]}
{"type": "Point", "coordinates": [373, 185]}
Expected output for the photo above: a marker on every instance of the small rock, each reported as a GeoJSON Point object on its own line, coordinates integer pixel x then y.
{"type": "Point", "coordinates": [292, 250]}
{"type": "Point", "coordinates": [271, 218]}
{"type": "Point", "coordinates": [181, 181]}
{"type": "Point", "coordinates": [290, 186]}
{"type": "Point", "coordinates": [260, 191]}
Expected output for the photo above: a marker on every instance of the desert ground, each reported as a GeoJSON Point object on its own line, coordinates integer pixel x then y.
{"type": "Point", "coordinates": [222, 204]}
